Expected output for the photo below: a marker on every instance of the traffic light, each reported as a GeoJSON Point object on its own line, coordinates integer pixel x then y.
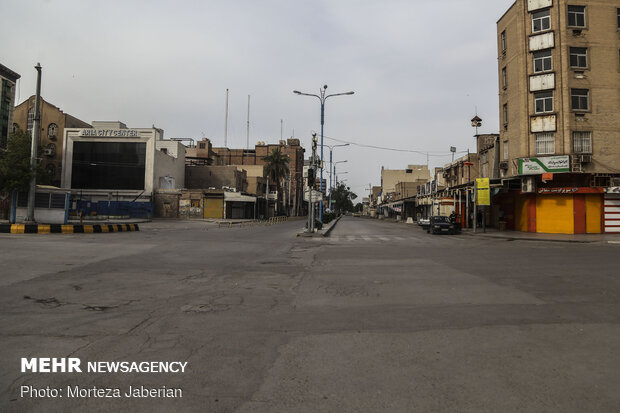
{"type": "Point", "coordinates": [311, 177]}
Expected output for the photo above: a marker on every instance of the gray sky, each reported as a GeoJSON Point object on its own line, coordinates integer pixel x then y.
{"type": "Point", "coordinates": [418, 69]}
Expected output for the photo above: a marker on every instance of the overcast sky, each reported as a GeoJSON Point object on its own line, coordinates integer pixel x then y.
{"type": "Point", "coordinates": [418, 69]}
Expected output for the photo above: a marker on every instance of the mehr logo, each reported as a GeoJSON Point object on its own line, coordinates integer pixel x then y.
{"type": "Point", "coordinates": [51, 365]}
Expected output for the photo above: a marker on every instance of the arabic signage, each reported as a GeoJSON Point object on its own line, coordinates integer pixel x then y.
{"type": "Point", "coordinates": [538, 166]}
{"type": "Point", "coordinates": [570, 190]}
{"type": "Point", "coordinates": [109, 133]}
{"type": "Point", "coordinates": [483, 193]}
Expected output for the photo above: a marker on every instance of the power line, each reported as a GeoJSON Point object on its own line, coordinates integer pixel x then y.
{"type": "Point", "coordinates": [438, 154]}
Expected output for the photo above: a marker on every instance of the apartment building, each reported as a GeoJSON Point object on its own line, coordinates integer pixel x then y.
{"type": "Point", "coordinates": [53, 123]}
{"type": "Point", "coordinates": [8, 79]}
{"type": "Point", "coordinates": [559, 100]}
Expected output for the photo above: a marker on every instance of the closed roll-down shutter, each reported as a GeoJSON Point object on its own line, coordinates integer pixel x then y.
{"type": "Point", "coordinates": [611, 211]}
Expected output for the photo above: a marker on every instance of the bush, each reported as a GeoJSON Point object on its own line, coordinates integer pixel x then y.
{"type": "Point", "coordinates": [328, 217]}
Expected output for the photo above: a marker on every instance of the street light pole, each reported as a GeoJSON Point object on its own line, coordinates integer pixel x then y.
{"type": "Point", "coordinates": [331, 187]}
{"type": "Point", "coordinates": [332, 172]}
{"type": "Point", "coordinates": [322, 98]}
{"type": "Point", "coordinates": [34, 147]}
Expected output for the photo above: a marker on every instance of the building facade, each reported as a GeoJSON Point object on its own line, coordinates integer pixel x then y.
{"type": "Point", "coordinates": [8, 79]}
{"type": "Point", "coordinates": [112, 164]}
{"type": "Point", "coordinates": [53, 123]}
{"type": "Point", "coordinates": [559, 100]}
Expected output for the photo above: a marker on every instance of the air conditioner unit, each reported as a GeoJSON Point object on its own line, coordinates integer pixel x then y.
{"type": "Point", "coordinates": [528, 185]}
{"type": "Point", "coordinates": [585, 158]}
{"type": "Point", "coordinates": [503, 165]}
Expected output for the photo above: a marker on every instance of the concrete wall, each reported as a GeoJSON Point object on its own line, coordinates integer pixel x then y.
{"type": "Point", "coordinates": [202, 177]}
{"type": "Point", "coordinates": [169, 168]}
{"type": "Point", "coordinates": [166, 203]}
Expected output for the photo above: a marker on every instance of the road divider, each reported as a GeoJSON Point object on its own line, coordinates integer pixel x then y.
{"type": "Point", "coordinates": [66, 229]}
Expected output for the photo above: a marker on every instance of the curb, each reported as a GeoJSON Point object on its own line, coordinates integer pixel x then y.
{"type": "Point", "coordinates": [508, 238]}
{"type": "Point", "coordinates": [332, 224]}
{"type": "Point", "coordinates": [65, 229]}
{"type": "Point", "coordinates": [328, 230]}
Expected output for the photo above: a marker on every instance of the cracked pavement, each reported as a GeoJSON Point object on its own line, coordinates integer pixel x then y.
{"type": "Point", "coordinates": [377, 317]}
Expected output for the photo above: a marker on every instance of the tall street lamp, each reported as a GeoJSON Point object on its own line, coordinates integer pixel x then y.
{"type": "Point", "coordinates": [332, 172]}
{"type": "Point", "coordinates": [322, 98]}
{"type": "Point", "coordinates": [331, 149]}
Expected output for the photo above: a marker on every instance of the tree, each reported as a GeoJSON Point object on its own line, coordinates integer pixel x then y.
{"type": "Point", "coordinates": [15, 164]}
{"type": "Point", "coordinates": [276, 167]}
{"type": "Point", "coordinates": [343, 198]}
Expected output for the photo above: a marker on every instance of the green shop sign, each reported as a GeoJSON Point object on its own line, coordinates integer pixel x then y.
{"type": "Point", "coordinates": [537, 166]}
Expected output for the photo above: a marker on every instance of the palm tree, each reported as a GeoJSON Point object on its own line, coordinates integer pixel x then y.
{"type": "Point", "coordinates": [276, 166]}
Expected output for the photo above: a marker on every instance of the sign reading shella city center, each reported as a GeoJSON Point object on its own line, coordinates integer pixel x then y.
{"type": "Point", "coordinates": [538, 166]}
{"type": "Point", "coordinates": [109, 133]}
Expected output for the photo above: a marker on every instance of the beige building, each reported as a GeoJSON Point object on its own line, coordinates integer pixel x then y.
{"type": "Point", "coordinates": [390, 177]}
{"type": "Point", "coordinates": [559, 100]}
{"type": "Point", "coordinates": [53, 123]}
{"type": "Point", "coordinates": [559, 84]}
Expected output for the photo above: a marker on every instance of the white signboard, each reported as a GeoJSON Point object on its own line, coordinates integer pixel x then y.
{"type": "Point", "coordinates": [539, 166]}
{"type": "Point", "coordinates": [316, 196]}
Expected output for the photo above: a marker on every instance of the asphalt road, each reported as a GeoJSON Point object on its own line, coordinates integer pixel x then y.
{"type": "Point", "coordinates": [378, 317]}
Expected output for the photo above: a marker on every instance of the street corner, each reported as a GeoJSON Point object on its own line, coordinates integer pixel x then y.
{"type": "Point", "coordinates": [66, 229]}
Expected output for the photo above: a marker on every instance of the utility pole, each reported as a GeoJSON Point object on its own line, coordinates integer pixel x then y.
{"type": "Point", "coordinates": [34, 147]}
{"type": "Point", "coordinates": [226, 123]}
{"type": "Point", "coordinates": [311, 184]}
{"type": "Point", "coordinates": [247, 146]}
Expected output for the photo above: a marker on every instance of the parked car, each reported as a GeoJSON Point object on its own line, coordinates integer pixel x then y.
{"type": "Point", "coordinates": [441, 224]}
{"type": "Point", "coordinates": [424, 222]}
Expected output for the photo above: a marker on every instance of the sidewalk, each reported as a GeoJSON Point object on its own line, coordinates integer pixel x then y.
{"type": "Point", "coordinates": [531, 236]}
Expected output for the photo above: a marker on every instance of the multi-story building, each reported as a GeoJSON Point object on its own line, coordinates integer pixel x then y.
{"type": "Point", "coordinates": [391, 177]}
{"type": "Point", "coordinates": [290, 197]}
{"type": "Point", "coordinates": [53, 123]}
{"type": "Point", "coordinates": [559, 100]}
{"type": "Point", "coordinates": [7, 102]}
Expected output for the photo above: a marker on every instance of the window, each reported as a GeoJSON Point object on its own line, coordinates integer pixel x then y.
{"type": "Point", "coordinates": [505, 115]}
{"type": "Point", "coordinates": [503, 41]}
{"type": "Point", "coordinates": [164, 150]}
{"type": "Point", "coordinates": [545, 143]}
{"type": "Point", "coordinates": [52, 131]}
{"type": "Point", "coordinates": [15, 127]}
{"type": "Point", "coordinates": [504, 79]}
{"type": "Point", "coordinates": [579, 99]}
{"type": "Point", "coordinates": [30, 121]}
{"type": "Point", "coordinates": [579, 57]}
{"type": "Point", "coordinates": [506, 150]}
{"type": "Point", "coordinates": [543, 102]}
{"type": "Point", "coordinates": [202, 145]}
{"type": "Point", "coordinates": [541, 21]}
{"type": "Point", "coordinates": [577, 16]}
{"type": "Point", "coordinates": [542, 61]}
{"type": "Point", "coordinates": [582, 142]}
{"type": "Point", "coordinates": [618, 19]}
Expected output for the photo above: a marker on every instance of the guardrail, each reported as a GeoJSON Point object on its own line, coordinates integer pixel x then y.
{"type": "Point", "coordinates": [257, 222]}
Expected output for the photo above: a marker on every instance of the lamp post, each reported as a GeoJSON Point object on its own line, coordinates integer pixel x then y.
{"type": "Point", "coordinates": [342, 180]}
{"type": "Point", "coordinates": [332, 173]}
{"type": "Point", "coordinates": [476, 122]}
{"type": "Point", "coordinates": [322, 98]}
